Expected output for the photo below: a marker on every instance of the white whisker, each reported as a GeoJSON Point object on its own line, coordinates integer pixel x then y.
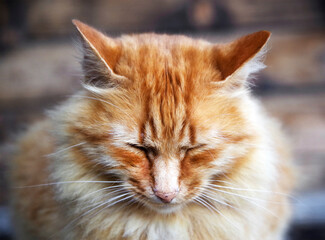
{"type": "Point", "coordinates": [249, 199]}
{"type": "Point", "coordinates": [219, 212]}
{"type": "Point", "coordinates": [66, 182]}
{"type": "Point", "coordinates": [203, 204]}
{"type": "Point", "coordinates": [247, 189]}
{"type": "Point", "coordinates": [73, 222]}
{"type": "Point", "coordinates": [218, 201]}
{"type": "Point", "coordinates": [67, 148]}
{"type": "Point", "coordinates": [114, 203]}
{"type": "Point", "coordinates": [98, 205]}
{"type": "Point", "coordinates": [243, 196]}
{"type": "Point", "coordinates": [102, 189]}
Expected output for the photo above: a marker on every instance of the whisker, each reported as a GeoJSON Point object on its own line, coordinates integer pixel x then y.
{"type": "Point", "coordinates": [112, 204]}
{"type": "Point", "coordinates": [65, 182]}
{"type": "Point", "coordinates": [73, 223]}
{"type": "Point", "coordinates": [198, 200]}
{"type": "Point", "coordinates": [249, 199]}
{"type": "Point", "coordinates": [250, 190]}
{"type": "Point", "coordinates": [218, 201]}
{"type": "Point", "coordinates": [102, 189]}
{"type": "Point", "coordinates": [219, 212]}
{"type": "Point", "coordinates": [242, 196]}
{"type": "Point", "coordinates": [122, 190]}
{"type": "Point", "coordinates": [102, 204]}
{"type": "Point", "coordinates": [142, 201]}
{"type": "Point", "coordinates": [67, 148]}
{"type": "Point", "coordinates": [128, 203]}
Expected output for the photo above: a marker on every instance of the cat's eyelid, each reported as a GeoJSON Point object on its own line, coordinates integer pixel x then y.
{"type": "Point", "coordinates": [197, 146]}
{"type": "Point", "coordinates": [135, 145]}
{"type": "Point", "coordinates": [139, 145]}
{"type": "Point", "coordinates": [143, 147]}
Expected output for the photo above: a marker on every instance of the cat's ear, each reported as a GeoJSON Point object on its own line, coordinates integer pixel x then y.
{"type": "Point", "coordinates": [100, 55]}
{"type": "Point", "coordinates": [242, 57]}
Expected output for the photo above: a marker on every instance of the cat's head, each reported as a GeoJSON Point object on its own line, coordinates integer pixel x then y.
{"type": "Point", "coordinates": [164, 114]}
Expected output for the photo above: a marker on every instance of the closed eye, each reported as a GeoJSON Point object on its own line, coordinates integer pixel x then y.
{"type": "Point", "coordinates": [191, 148]}
{"type": "Point", "coordinates": [141, 148]}
{"type": "Point", "coordinates": [145, 149]}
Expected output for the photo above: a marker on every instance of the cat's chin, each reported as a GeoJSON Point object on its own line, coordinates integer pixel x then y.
{"type": "Point", "coordinates": [165, 208]}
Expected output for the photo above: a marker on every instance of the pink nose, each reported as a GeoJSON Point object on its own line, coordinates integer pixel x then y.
{"type": "Point", "coordinates": [166, 197]}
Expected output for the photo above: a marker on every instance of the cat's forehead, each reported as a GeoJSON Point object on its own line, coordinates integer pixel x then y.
{"type": "Point", "coordinates": [137, 41]}
{"type": "Point", "coordinates": [151, 52]}
{"type": "Point", "coordinates": [171, 69]}
{"type": "Point", "coordinates": [168, 73]}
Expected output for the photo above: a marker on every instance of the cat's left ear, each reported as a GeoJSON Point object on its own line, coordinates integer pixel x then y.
{"type": "Point", "coordinates": [242, 57]}
{"type": "Point", "coordinates": [100, 56]}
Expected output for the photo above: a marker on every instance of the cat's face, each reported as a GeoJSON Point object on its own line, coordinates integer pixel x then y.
{"type": "Point", "coordinates": [159, 116]}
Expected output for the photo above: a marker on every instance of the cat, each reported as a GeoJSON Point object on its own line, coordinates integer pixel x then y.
{"type": "Point", "coordinates": [165, 141]}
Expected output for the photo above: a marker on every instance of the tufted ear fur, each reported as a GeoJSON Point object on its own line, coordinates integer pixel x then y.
{"type": "Point", "coordinates": [242, 57]}
{"type": "Point", "coordinates": [100, 56]}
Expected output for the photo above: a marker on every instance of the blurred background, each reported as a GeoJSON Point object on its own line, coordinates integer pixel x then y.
{"type": "Point", "coordinates": [39, 69]}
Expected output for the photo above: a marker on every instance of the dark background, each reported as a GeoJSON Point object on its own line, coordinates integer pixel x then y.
{"type": "Point", "coordinates": [39, 68]}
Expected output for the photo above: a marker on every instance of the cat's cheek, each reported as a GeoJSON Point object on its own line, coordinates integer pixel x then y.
{"type": "Point", "coordinates": [194, 171]}
{"type": "Point", "coordinates": [189, 177]}
{"type": "Point", "coordinates": [193, 163]}
{"type": "Point", "coordinates": [127, 158]}
{"type": "Point", "coordinates": [135, 167]}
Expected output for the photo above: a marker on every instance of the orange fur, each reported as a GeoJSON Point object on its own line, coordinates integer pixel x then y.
{"type": "Point", "coordinates": [167, 126]}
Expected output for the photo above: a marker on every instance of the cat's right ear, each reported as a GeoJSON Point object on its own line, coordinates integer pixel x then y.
{"type": "Point", "coordinates": [240, 58]}
{"type": "Point", "coordinates": [100, 55]}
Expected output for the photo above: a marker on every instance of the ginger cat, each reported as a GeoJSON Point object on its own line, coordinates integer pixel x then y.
{"type": "Point", "coordinates": [164, 142]}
